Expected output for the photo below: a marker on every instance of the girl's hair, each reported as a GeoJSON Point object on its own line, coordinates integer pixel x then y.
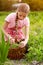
{"type": "Point", "coordinates": [16, 17]}
{"type": "Point", "coordinates": [23, 7]}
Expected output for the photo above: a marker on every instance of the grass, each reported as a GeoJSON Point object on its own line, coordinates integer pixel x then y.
{"type": "Point", "coordinates": [2, 16]}
{"type": "Point", "coordinates": [3, 50]}
{"type": "Point", "coordinates": [36, 35]}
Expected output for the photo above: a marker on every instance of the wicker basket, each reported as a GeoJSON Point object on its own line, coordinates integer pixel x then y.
{"type": "Point", "coordinates": [16, 53]}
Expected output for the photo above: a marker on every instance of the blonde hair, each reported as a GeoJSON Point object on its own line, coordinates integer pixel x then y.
{"type": "Point", "coordinates": [23, 7]}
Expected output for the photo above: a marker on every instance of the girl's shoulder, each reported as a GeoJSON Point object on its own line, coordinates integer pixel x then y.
{"type": "Point", "coordinates": [27, 18]}
{"type": "Point", "coordinates": [10, 16]}
{"type": "Point", "coordinates": [27, 21]}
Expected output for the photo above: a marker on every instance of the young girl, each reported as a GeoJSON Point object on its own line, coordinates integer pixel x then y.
{"type": "Point", "coordinates": [14, 23]}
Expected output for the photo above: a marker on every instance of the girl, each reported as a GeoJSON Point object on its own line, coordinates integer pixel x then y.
{"type": "Point", "coordinates": [14, 23]}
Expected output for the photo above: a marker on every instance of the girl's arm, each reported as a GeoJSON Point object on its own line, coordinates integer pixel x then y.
{"type": "Point", "coordinates": [4, 28]}
{"type": "Point", "coordinates": [6, 34]}
{"type": "Point", "coordinates": [23, 43]}
{"type": "Point", "coordinates": [26, 34]}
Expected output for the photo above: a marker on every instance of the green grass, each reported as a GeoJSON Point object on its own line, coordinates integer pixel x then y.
{"type": "Point", "coordinates": [2, 17]}
{"type": "Point", "coordinates": [36, 35]}
{"type": "Point", "coordinates": [3, 50]}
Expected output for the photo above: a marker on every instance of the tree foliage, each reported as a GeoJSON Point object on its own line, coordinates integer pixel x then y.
{"type": "Point", "coordinates": [35, 4]}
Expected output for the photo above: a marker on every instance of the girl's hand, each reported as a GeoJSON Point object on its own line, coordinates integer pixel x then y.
{"type": "Point", "coordinates": [22, 44]}
{"type": "Point", "coordinates": [11, 40]}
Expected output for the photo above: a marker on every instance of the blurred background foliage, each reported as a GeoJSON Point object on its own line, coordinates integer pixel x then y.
{"type": "Point", "coordinates": [34, 4]}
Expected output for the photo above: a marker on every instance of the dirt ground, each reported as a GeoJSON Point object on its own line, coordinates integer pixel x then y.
{"type": "Point", "coordinates": [22, 62]}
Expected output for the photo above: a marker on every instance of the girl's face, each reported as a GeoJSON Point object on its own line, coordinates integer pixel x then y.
{"type": "Point", "coordinates": [21, 15]}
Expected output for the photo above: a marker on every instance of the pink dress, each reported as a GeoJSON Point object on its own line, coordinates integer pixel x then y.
{"type": "Point", "coordinates": [11, 26]}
